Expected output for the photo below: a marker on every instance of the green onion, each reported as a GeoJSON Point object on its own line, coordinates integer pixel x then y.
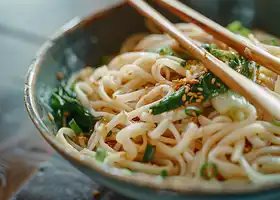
{"type": "Point", "coordinates": [204, 169]}
{"type": "Point", "coordinates": [274, 42]}
{"type": "Point", "coordinates": [164, 174]}
{"type": "Point", "coordinates": [109, 134]}
{"type": "Point", "coordinates": [192, 109]}
{"type": "Point", "coordinates": [100, 154]}
{"type": "Point", "coordinates": [276, 122]}
{"type": "Point", "coordinates": [166, 51]}
{"type": "Point", "coordinates": [238, 28]}
{"type": "Point", "coordinates": [74, 126]}
{"type": "Point", "coordinates": [149, 153]}
{"type": "Point", "coordinates": [183, 63]}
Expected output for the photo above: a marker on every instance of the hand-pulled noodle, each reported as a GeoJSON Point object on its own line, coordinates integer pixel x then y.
{"type": "Point", "coordinates": [229, 131]}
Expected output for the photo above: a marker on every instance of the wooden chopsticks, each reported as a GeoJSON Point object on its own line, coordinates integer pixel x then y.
{"type": "Point", "coordinates": [250, 90]}
{"type": "Point", "coordinates": [248, 50]}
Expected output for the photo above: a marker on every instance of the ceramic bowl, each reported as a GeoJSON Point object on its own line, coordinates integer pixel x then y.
{"type": "Point", "coordinates": [80, 43]}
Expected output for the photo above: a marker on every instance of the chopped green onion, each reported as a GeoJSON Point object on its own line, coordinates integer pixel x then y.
{"type": "Point", "coordinates": [74, 126]}
{"type": "Point", "coordinates": [100, 154]}
{"type": "Point", "coordinates": [205, 168]}
{"type": "Point", "coordinates": [109, 134]}
{"type": "Point", "coordinates": [164, 174]}
{"type": "Point", "coordinates": [276, 122]}
{"type": "Point", "coordinates": [149, 153]}
{"type": "Point", "coordinates": [190, 110]}
{"type": "Point", "coordinates": [183, 63]}
{"type": "Point", "coordinates": [274, 42]}
{"type": "Point", "coordinates": [238, 28]}
{"type": "Point", "coordinates": [166, 51]}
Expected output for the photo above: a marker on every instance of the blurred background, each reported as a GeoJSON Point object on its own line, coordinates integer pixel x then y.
{"type": "Point", "coordinates": [29, 169]}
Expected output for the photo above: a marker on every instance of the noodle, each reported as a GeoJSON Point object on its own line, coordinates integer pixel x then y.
{"type": "Point", "coordinates": [226, 130]}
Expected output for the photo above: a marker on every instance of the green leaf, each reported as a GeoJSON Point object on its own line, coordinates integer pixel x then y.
{"type": "Point", "coordinates": [149, 153]}
{"type": "Point", "coordinates": [74, 126]}
{"type": "Point", "coordinates": [209, 166]}
{"type": "Point", "coordinates": [64, 100]}
{"type": "Point", "coordinates": [276, 122]}
{"type": "Point", "coordinates": [164, 174]}
{"type": "Point", "coordinates": [170, 102]}
{"type": "Point", "coordinates": [183, 63]}
{"type": "Point", "coordinates": [100, 154]}
{"type": "Point", "coordinates": [238, 28]}
{"type": "Point", "coordinates": [109, 134]}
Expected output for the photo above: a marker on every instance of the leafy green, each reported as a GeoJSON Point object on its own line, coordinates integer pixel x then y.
{"type": "Point", "coordinates": [74, 126]}
{"type": "Point", "coordinates": [164, 174]}
{"type": "Point", "coordinates": [170, 102]}
{"type": "Point", "coordinates": [274, 42]}
{"type": "Point", "coordinates": [205, 168]}
{"type": "Point", "coordinates": [63, 101]}
{"type": "Point", "coordinates": [183, 63]}
{"type": "Point", "coordinates": [209, 84]}
{"type": "Point", "coordinates": [276, 122]}
{"type": "Point", "coordinates": [100, 154]}
{"type": "Point", "coordinates": [109, 134]}
{"type": "Point", "coordinates": [168, 51]}
{"type": "Point", "coordinates": [238, 28]}
{"type": "Point", "coordinates": [149, 153]}
{"type": "Point", "coordinates": [165, 51]}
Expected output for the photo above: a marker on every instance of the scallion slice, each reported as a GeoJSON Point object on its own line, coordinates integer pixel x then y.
{"type": "Point", "coordinates": [193, 111]}
{"type": "Point", "coordinates": [205, 169]}
{"type": "Point", "coordinates": [109, 134]}
{"type": "Point", "coordinates": [183, 63]}
{"type": "Point", "coordinates": [74, 126]}
{"type": "Point", "coordinates": [149, 153]}
{"type": "Point", "coordinates": [276, 122]}
{"type": "Point", "coordinates": [100, 154]}
{"type": "Point", "coordinates": [164, 174]}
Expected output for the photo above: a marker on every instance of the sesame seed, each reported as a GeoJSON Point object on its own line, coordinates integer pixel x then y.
{"type": "Point", "coordinates": [184, 97]}
{"type": "Point", "coordinates": [198, 100]}
{"type": "Point", "coordinates": [59, 75]}
{"type": "Point", "coordinates": [200, 89]}
{"type": "Point", "coordinates": [218, 84]}
{"type": "Point", "coordinates": [213, 80]}
{"type": "Point", "coordinates": [190, 93]}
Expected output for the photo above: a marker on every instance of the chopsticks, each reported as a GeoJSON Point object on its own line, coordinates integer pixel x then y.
{"type": "Point", "coordinates": [250, 90]}
{"type": "Point", "coordinates": [248, 50]}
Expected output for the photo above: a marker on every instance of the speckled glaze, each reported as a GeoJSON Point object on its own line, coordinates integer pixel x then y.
{"type": "Point", "coordinates": [82, 42]}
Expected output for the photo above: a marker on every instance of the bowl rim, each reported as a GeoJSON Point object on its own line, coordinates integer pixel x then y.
{"type": "Point", "coordinates": [146, 182]}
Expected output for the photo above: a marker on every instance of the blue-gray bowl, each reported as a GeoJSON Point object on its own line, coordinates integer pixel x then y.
{"type": "Point", "coordinates": [80, 43]}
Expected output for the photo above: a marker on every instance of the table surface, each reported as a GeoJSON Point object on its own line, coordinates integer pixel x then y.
{"type": "Point", "coordinates": [24, 26]}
